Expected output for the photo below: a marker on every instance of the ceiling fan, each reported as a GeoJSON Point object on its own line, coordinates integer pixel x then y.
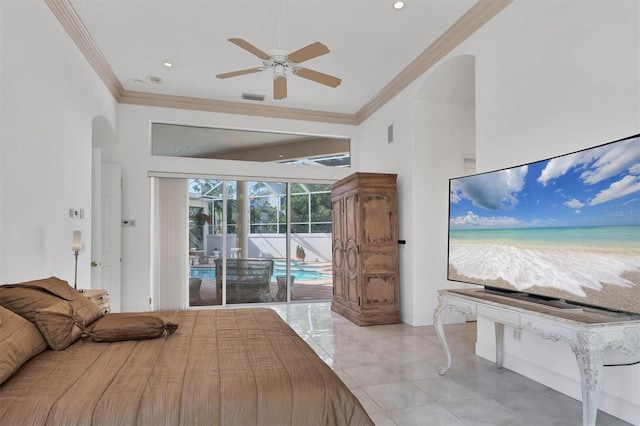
{"type": "Point", "coordinates": [281, 61]}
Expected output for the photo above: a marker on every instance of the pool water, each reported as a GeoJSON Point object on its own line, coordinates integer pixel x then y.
{"type": "Point", "coordinates": [303, 275]}
{"type": "Point", "coordinates": [210, 274]}
{"type": "Point", "coordinates": [204, 273]}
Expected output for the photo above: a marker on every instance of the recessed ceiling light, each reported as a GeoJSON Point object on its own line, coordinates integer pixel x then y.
{"type": "Point", "coordinates": [167, 64]}
{"type": "Point", "coordinates": [398, 5]}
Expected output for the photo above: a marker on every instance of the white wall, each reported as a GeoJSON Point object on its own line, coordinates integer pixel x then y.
{"type": "Point", "coordinates": [375, 154]}
{"type": "Point", "coordinates": [274, 246]}
{"type": "Point", "coordinates": [434, 125]}
{"type": "Point", "coordinates": [554, 77]}
{"type": "Point", "coordinates": [550, 78]}
{"type": "Point", "coordinates": [49, 96]}
{"type": "Point", "coordinates": [2, 135]}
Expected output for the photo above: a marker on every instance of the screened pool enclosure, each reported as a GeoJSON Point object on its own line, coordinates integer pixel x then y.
{"type": "Point", "coordinates": [258, 242]}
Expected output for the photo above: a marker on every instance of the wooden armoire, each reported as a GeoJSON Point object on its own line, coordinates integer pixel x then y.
{"type": "Point", "coordinates": [365, 249]}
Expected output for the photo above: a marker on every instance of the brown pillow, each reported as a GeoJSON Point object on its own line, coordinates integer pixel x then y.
{"type": "Point", "coordinates": [127, 326]}
{"type": "Point", "coordinates": [59, 325]}
{"type": "Point", "coordinates": [19, 342]}
{"type": "Point", "coordinates": [26, 298]}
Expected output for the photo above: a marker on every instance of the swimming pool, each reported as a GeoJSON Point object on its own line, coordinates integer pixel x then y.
{"type": "Point", "coordinates": [209, 273]}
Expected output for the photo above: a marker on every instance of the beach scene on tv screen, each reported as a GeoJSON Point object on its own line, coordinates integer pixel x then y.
{"type": "Point", "coordinates": [567, 227]}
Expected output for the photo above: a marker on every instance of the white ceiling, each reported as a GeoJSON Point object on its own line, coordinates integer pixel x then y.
{"type": "Point", "coordinates": [370, 43]}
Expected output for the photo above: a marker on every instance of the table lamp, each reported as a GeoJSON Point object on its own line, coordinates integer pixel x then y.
{"type": "Point", "coordinates": [76, 247]}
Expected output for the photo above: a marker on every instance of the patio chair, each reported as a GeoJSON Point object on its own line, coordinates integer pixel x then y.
{"type": "Point", "coordinates": [248, 280]}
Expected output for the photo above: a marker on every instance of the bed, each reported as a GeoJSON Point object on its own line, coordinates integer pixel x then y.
{"type": "Point", "coordinates": [240, 366]}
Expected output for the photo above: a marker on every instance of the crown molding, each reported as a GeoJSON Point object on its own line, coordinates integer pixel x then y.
{"type": "Point", "coordinates": [200, 104]}
{"type": "Point", "coordinates": [68, 17]}
{"type": "Point", "coordinates": [479, 14]}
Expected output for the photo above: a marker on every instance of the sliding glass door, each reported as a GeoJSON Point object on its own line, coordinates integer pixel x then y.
{"type": "Point", "coordinates": [310, 239]}
{"type": "Point", "coordinates": [258, 242]}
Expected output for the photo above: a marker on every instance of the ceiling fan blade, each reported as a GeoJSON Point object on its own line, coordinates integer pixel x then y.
{"type": "Point", "coordinates": [250, 48]}
{"type": "Point", "coordinates": [279, 88]}
{"type": "Point", "coordinates": [309, 52]}
{"type": "Point", "coordinates": [241, 72]}
{"type": "Point", "coordinates": [318, 77]}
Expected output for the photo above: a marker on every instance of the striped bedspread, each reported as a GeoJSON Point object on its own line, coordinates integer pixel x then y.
{"type": "Point", "coordinates": [242, 366]}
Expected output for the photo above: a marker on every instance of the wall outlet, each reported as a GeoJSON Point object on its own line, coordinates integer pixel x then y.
{"type": "Point", "coordinates": [517, 335]}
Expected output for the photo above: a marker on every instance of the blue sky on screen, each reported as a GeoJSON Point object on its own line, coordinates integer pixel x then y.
{"type": "Point", "coordinates": [599, 186]}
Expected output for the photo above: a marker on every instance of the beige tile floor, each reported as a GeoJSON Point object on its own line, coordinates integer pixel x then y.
{"type": "Point", "coordinates": [392, 369]}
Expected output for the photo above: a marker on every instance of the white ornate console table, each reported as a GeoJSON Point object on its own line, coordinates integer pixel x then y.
{"type": "Point", "coordinates": [593, 334]}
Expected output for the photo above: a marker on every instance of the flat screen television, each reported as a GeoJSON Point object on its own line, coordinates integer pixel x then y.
{"type": "Point", "coordinates": [566, 228]}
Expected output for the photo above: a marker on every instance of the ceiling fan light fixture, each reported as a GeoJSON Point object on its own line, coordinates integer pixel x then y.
{"type": "Point", "coordinates": [279, 70]}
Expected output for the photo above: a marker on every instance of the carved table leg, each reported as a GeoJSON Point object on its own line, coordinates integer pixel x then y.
{"type": "Point", "coordinates": [438, 321]}
{"type": "Point", "coordinates": [588, 350]}
{"type": "Point", "coordinates": [499, 344]}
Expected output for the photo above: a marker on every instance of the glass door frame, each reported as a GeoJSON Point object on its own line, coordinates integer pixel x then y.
{"type": "Point", "coordinates": [224, 255]}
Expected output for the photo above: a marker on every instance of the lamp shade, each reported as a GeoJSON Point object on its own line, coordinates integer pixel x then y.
{"type": "Point", "coordinates": [77, 241]}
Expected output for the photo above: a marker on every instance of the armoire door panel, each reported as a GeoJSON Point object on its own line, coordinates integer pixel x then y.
{"type": "Point", "coordinates": [353, 296]}
{"type": "Point", "coordinates": [351, 217]}
{"type": "Point", "coordinates": [339, 274]}
{"type": "Point", "coordinates": [376, 260]}
{"type": "Point", "coordinates": [351, 259]}
{"type": "Point", "coordinates": [378, 215]}
{"type": "Point", "coordinates": [338, 255]}
{"type": "Point", "coordinates": [379, 288]}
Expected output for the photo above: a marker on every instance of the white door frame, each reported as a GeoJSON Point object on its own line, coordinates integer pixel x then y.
{"type": "Point", "coordinates": [106, 229]}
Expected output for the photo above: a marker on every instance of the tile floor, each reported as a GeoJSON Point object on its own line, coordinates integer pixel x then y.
{"type": "Point", "coordinates": [392, 369]}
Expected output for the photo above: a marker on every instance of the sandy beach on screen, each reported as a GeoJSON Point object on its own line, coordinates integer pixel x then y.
{"type": "Point", "coordinates": [611, 296]}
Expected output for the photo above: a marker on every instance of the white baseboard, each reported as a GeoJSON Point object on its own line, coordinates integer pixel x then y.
{"type": "Point", "coordinates": [427, 319]}
{"type": "Point", "coordinates": [570, 386]}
